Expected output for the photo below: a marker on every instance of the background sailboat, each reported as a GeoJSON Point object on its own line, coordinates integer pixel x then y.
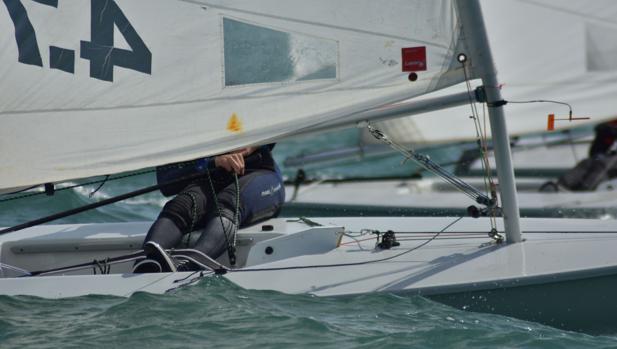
{"type": "Point", "coordinates": [320, 256]}
{"type": "Point", "coordinates": [562, 53]}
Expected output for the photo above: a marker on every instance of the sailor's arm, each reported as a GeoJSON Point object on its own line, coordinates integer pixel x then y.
{"type": "Point", "coordinates": [234, 161]}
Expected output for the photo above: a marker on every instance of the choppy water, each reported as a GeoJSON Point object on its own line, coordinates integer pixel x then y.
{"type": "Point", "coordinates": [215, 313]}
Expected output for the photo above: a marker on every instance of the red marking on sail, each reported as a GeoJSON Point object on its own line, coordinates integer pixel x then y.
{"type": "Point", "coordinates": [414, 58]}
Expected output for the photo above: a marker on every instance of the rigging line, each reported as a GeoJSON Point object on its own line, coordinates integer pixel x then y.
{"type": "Point", "coordinates": [446, 238]}
{"type": "Point", "coordinates": [139, 254]}
{"type": "Point", "coordinates": [106, 179]}
{"type": "Point", "coordinates": [99, 187]}
{"type": "Point", "coordinates": [231, 247]}
{"type": "Point", "coordinates": [76, 185]}
{"type": "Point", "coordinates": [479, 142]}
{"type": "Point", "coordinates": [19, 191]}
{"type": "Point", "coordinates": [13, 268]}
{"type": "Point", "coordinates": [475, 115]}
{"type": "Point", "coordinates": [481, 135]}
{"type": "Point", "coordinates": [426, 162]}
{"type": "Point", "coordinates": [237, 213]}
{"type": "Point", "coordinates": [104, 202]}
{"type": "Point", "coordinates": [92, 266]}
{"type": "Point", "coordinates": [202, 273]}
{"type": "Point", "coordinates": [486, 150]}
{"type": "Point", "coordinates": [489, 171]}
{"type": "Point", "coordinates": [356, 241]}
{"type": "Point", "coordinates": [488, 177]}
{"type": "Point", "coordinates": [454, 233]}
{"type": "Point", "coordinates": [481, 130]}
{"type": "Point", "coordinates": [354, 263]}
{"type": "Point", "coordinates": [193, 214]}
{"type": "Point", "coordinates": [113, 260]}
{"type": "Point", "coordinates": [356, 238]}
{"type": "Point", "coordinates": [542, 101]}
{"type": "Point", "coordinates": [416, 238]}
{"type": "Point", "coordinates": [487, 164]}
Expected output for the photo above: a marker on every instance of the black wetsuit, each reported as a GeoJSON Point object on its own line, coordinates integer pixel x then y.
{"type": "Point", "coordinates": [195, 206]}
{"type": "Point", "coordinates": [599, 166]}
{"type": "Point", "coordinates": [606, 134]}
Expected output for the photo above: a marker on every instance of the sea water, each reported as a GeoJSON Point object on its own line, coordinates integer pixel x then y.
{"type": "Point", "coordinates": [217, 314]}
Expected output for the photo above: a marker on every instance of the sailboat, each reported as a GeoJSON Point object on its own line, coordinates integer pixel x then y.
{"type": "Point", "coordinates": [107, 86]}
{"type": "Point", "coordinates": [544, 66]}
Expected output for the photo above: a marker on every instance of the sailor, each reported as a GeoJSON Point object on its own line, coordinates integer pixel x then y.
{"type": "Point", "coordinates": [600, 166]}
{"type": "Point", "coordinates": [606, 134]}
{"type": "Point", "coordinates": [213, 205]}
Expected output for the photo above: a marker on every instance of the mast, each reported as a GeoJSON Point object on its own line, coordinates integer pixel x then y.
{"type": "Point", "coordinates": [480, 54]}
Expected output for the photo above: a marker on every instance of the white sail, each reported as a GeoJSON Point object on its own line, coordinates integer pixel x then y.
{"type": "Point", "coordinates": [562, 50]}
{"type": "Point", "coordinates": [98, 87]}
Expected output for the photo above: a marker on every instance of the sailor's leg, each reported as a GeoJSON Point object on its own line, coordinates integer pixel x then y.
{"type": "Point", "coordinates": [261, 197]}
{"type": "Point", "coordinates": [180, 216]}
{"type": "Point", "coordinates": [217, 235]}
{"type": "Point", "coordinates": [164, 232]}
{"type": "Point", "coordinates": [220, 227]}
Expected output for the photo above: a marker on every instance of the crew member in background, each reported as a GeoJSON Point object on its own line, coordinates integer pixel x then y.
{"type": "Point", "coordinates": [606, 133]}
{"type": "Point", "coordinates": [600, 166]}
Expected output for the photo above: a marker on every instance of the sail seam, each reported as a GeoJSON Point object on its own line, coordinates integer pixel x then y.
{"type": "Point", "coordinates": [295, 20]}
{"type": "Point", "coordinates": [154, 105]}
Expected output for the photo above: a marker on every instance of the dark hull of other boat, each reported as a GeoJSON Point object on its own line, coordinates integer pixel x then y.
{"type": "Point", "coordinates": [294, 209]}
{"type": "Point", "coordinates": [583, 304]}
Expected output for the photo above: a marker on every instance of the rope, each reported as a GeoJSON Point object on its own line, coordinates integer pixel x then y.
{"type": "Point", "coordinates": [237, 211]}
{"type": "Point", "coordinates": [193, 215]}
{"type": "Point", "coordinates": [99, 181]}
{"type": "Point", "coordinates": [107, 178]}
{"type": "Point", "coordinates": [352, 264]}
{"type": "Point", "coordinates": [19, 191]}
{"type": "Point", "coordinates": [104, 265]}
{"type": "Point", "coordinates": [480, 135]}
{"type": "Point", "coordinates": [99, 187]}
{"type": "Point", "coordinates": [13, 268]}
{"type": "Point", "coordinates": [231, 247]}
{"type": "Point", "coordinates": [481, 139]}
{"type": "Point", "coordinates": [544, 101]}
{"type": "Point", "coordinates": [433, 167]}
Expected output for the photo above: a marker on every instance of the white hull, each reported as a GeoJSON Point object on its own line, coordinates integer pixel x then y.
{"type": "Point", "coordinates": [531, 154]}
{"type": "Point", "coordinates": [434, 194]}
{"type": "Point", "coordinates": [455, 267]}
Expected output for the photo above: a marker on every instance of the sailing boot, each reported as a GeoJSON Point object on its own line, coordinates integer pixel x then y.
{"type": "Point", "coordinates": [156, 253]}
{"type": "Point", "coordinates": [163, 234]}
{"type": "Point", "coordinates": [147, 266]}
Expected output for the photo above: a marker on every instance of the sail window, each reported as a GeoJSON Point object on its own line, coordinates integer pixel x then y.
{"type": "Point", "coordinates": [255, 54]}
{"type": "Point", "coordinates": [601, 48]}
